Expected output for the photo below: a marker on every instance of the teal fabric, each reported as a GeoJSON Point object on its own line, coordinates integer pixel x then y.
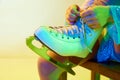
{"type": "Point", "coordinates": [113, 2]}
{"type": "Point", "coordinates": [115, 12]}
{"type": "Point", "coordinates": [113, 32]}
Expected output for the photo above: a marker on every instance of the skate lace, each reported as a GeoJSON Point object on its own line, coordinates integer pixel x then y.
{"type": "Point", "coordinates": [74, 29]}
{"type": "Point", "coordinates": [67, 29]}
{"type": "Point", "coordinates": [71, 30]}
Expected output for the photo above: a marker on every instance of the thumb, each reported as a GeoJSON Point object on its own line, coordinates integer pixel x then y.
{"type": "Point", "coordinates": [76, 9]}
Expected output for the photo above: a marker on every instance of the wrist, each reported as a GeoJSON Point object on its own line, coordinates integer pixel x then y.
{"type": "Point", "coordinates": [100, 2]}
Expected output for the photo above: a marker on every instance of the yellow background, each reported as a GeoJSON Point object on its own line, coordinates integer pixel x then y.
{"type": "Point", "coordinates": [18, 20]}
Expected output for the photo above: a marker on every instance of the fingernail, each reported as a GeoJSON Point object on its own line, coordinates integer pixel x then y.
{"type": "Point", "coordinates": [71, 23]}
{"type": "Point", "coordinates": [73, 15]}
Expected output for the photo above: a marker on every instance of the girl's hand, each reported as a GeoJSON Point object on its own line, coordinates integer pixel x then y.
{"type": "Point", "coordinates": [72, 13]}
{"type": "Point", "coordinates": [89, 18]}
{"type": "Point", "coordinates": [96, 16]}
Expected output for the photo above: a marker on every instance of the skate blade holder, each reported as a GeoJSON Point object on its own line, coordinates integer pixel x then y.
{"type": "Point", "coordinates": [66, 66]}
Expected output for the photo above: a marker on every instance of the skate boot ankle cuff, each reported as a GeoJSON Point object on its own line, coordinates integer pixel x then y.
{"type": "Point", "coordinates": [102, 14]}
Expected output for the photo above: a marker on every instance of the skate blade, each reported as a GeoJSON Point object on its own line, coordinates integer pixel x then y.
{"type": "Point", "coordinates": [66, 66]}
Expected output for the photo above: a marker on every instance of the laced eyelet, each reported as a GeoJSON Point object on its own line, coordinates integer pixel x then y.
{"type": "Point", "coordinates": [78, 36]}
{"type": "Point", "coordinates": [50, 31]}
{"type": "Point", "coordinates": [56, 35]}
{"type": "Point", "coordinates": [67, 37]}
{"type": "Point", "coordinates": [62, 37]}
{"type": "Point", "coordinates": [73, 37]}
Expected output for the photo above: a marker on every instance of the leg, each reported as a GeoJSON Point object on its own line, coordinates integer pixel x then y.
{"type": "Point", "coordinates": [45, 68]}
{"type": "Point", "coordinates": [48, 71]}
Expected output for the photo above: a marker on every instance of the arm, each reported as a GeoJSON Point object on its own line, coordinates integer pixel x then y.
{"type": "Point", "coordinates": [107, 2]}
{"type": "Point", "coordinates": [87, 3]}
{"type": "Point", "coordinates": [73, 12]}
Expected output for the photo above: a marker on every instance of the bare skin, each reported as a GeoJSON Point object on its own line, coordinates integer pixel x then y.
{"type": "Point", "coordinates": [45, 68]}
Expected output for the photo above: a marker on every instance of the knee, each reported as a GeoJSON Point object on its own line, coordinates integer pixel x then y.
{"type": "Point", "coordinates": [45, 67]}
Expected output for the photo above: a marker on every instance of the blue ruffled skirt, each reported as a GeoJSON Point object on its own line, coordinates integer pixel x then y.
{"type": "Point", "coordinates": [106, 51]}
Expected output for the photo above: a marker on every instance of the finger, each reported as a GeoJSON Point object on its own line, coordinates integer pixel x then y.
{"type": "Point", "coordinates": [77, 13]}
{"type": "Point", "coordinates": [76, 7]}
{"type": "Point", "coordinates": [69, 22]}
{"type": "Point", "coordinates": [75, 10]}
{"type": "Point", "coordinates": [73, 7]}
{"type": "Point", "coordinates": [68, 11]}
{"type": "Point", "coordinates": [93, 23]}
{"type": "Point", "coordinates": [71, 19]}
{"type": "Point", "coordinates": [73, 16]}
{"type": "Point", "coordinates": [70, 14]}
{"type": "Point", "coordinates": [94, 26]}
{"type": "Point", "coordinates": [86, 13]}
{"type": "Point", "coordinates": [89, 18]}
